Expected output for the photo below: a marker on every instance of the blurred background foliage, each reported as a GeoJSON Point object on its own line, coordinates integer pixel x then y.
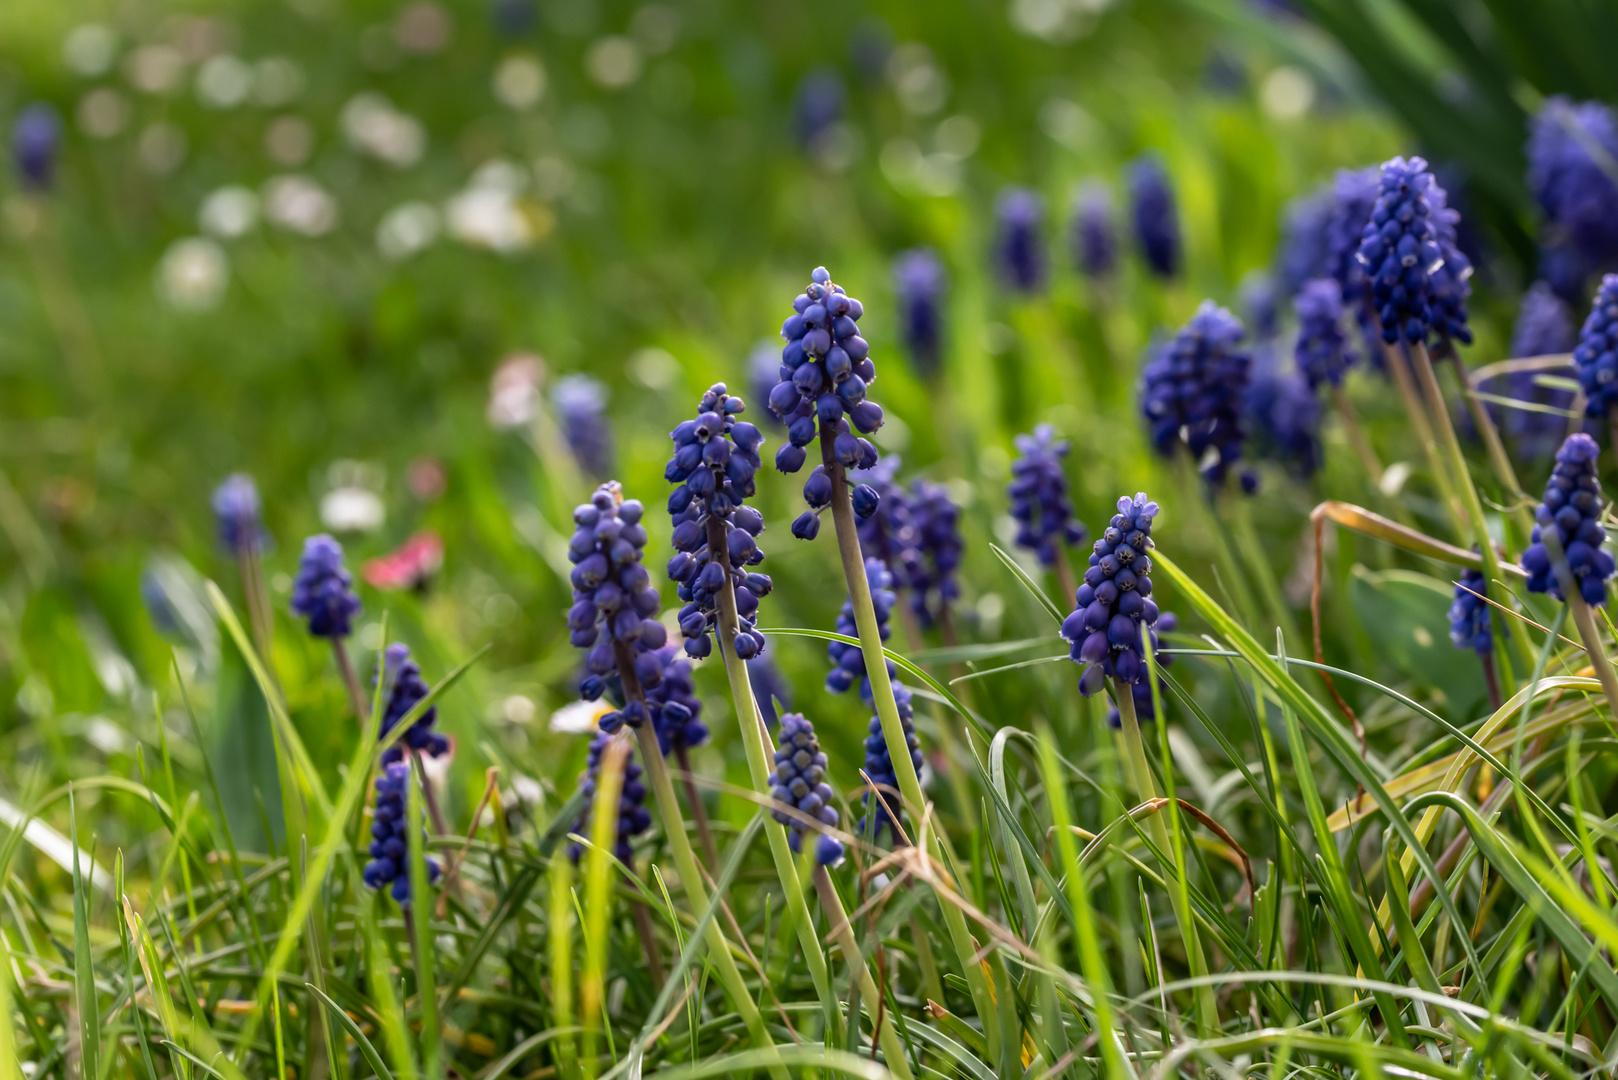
{"type": "Point", "coordinates": [299, 238]}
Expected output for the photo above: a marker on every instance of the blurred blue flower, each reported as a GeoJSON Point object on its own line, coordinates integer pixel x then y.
{"type": "Point", "coordinates": [817, 105]}
{"type": "Point", "coordinates": [848, 661]}
{"type": "Point", "coordinates": [581, 411]}
{"type": "Point", "coordinates": [633, 817]}
{"type": "Point", "coordinates": [389, 867]}
{"type": "Point", "coordinates": [1570, 150]}
{"type": "Point", "coordinates": [1321, 353]}
{"type": "Point", "coordinates": [1285, 415]}
{"type": "Point", "coordinates": [879, 767]}
{"type": "Point", "coordinates": [1092, 236]}
{"type": "Point", "coordinates": [406, 688]}
{"type": "Point", "coordinates": [918, 288]}
{"type": "Point", "coordinates": [1039, 500]}
{"type": "Point", "coordinates": [36, 141]}
{"type": "Point", "coordinates": [676, 709]}
{"type": "Point", "coordinates": [1153, 214]}
{"type": "Point", "coordinates": [1595, 358]}
{"type": "Point", "coordinates": [1544, 327]}
{"type": "Point", "coordinates": [936, 522]}
{"type": "Point", "coordinates": [1469, 614]}
{"type": "Point", "coordinates": [238, 514]}
{"type": "Point", "coordinates": [1019, 250]}
{"type": "Point", "coordinates": [1193, 390]}
{"type": "Point", "coordinates": [322, 591]}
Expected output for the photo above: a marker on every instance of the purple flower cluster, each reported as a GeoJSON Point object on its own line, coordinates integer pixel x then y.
{"type": "Point", "coordinates": [1153, 214]}
{"type": "Point", "coordinates": [1354, 196]}
{"type": "Point", "coordinates": [817, 106]}
{"type": "Point", "coordinates": [1595, 359]}
{"type": "Point", "coordinates": [1091, 236]}
{"type": "Point", "coordinates": [676, 709]}
{"type": "Point", "coordinates": [633, 818]}
{"type": "Point", "coordinates": [1192, 392]}
{"type": "Point", "coordinates": [613, 591]}
{"type": "Point", "coordinates": [1322, 353]}
{"type": "Point", "coordinates": [1039, 499]}
{"type": "Point", "coordinates": [238, 514]}
{"type": "Point", "coordinates": [1141, 692]}
{"type": "Point", "coordinates": [715, 458]}
{"type": "Point", "coordinates": [390, 843]}
{"type": "Point", "coordinates": [918, 290]}
{"type": "Point", "coordinates": [1261, 305]}
{"type": "Point", "coordinates": [1469, 615]}
{"type": "Point", "coordinates": [1400, 251]}
{"type": "Point", "coordinates": [1115, 600]}
{"type": "Point", "coordinates": [1019, 253]}
{"type": "Point", "coordinates": [848, 661]}
{"type": "Point", "coordinates": [35, 141]}
{"type": "Point", "coordinates": [1544, 327]}
{"type": "Point", "coordinates": [1284, 413]}
{"type": "Point", "coordinates": [879, 765]}
{"type": "Point", "coordinates": [323, 590]}
{"type": "Point", "coordinates": [1572, 508]}
{"type": "Point", "coordinates": [1305, 247]}
{"type": "Point", "coordinates": [935, 520]}
{"type": "Point", "coordinates": [825, 370]}
{"type": "Point", "coordinates": [581, 411]}
{"type": "Point", "coordinates": [1570, 150]}
{"type": "Point", "coordinates": [1452, 278]}
{"type": "Point", "coordinates": [799, 782]}
{"type": "Point", "coordinates": [406, 688]}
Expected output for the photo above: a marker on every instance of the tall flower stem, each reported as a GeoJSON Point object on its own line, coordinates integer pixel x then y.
{"type": "Point", "coordinates": [699, 812]}
{"type": "Point", "coordinates": [843, 931]}
{"type": "Point", "coordinates": [1422, 427]}
{"type": "Point", "coordinates": [887, 711]}
{"type": "Point", "coordinates": [1064, 575]}
{"type": "Point", "coordinates": [1358, 441]}
{"type": "Point", "coordinates": [1462, 479]}
{"type": "Point", "coordinates": [1140, 774]}
{"type": "Point", "coordinates": [259, 617]}
{"type": "Point", "coordinates": [1517, 513]}
{"type": "Point", "coordinates": [685, 862]}
{"type": "Point", "coordinates": [1583, 618]}
{"type": "Point", "coordinates": [751, 722]}
{"type": "Point", "coordinates": [351, 681]}
{"type": "Point", "coordinates": [428, 795]}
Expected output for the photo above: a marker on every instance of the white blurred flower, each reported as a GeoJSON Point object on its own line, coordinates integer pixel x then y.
{"type": "Point", "coordinates": [1287, 92]}
{"type": "Point", "coordinates": [486, 212]}
{"type": "Point", "coordinates": [374, 127]}
{"type": "Point", "coordinates": [296, 203]}
{"type": "Point", "coordinates": [407, 229]}
{"type": "Point", "coordinates": [102, 113]}
{"type": "Point", "coordinates": [577, 717]}
{"type": "Point", "coordinates": [89, 50]}
{"type": "Point", "coordinates": [229, 212]}
{"type": "Point", "coordinates": [352, 509]}
{"type": "Point", "coordinates": [224, 81]}
{"type": "Point", "coordinates": [613, 62]}
{"type": "Point", "coordinates": [276, 81]}
{"type": "Point", "coordinates": [519, 82]}
{"type": "Point", "coordinates": [155, 69]}
{"type": "Point", "coordinates": [193, 274]}
{"type": "Point", "coordinates": [289, 140]}
{"type": "Point", "coordinates": [920, 84]}
{"type": "Point", "coordinates": [514, 390]}
{"type": "Point", "coordinates": [1056, 21]}
{"type": "Point", "coordinates": [161, 148]}
{"type": "Point", "coordinates": [656, 27]}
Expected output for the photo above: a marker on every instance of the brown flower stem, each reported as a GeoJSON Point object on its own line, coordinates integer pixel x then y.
{"type": "Point", "coordinates": [260, 620]}
{"type": "Point", "coordinates": [699, 812]}
{"type": "Point", "coordinates": [1422, 428]}
{"type": "Point", "coordinates": [351, 681]}
{"type": "Point", "coordinates": [648, 941]}
{"type": "Point", "coordinates": [428, 795]}
{"type": "Point", "coordinates": [1064, 577]}
{"type": "Point", "coordinates": [887, 711]}
{"type": "Point", "coordinates": [1516, 499]}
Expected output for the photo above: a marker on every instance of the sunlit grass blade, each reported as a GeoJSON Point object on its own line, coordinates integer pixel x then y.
{"type": "Point", "coordinates": [1028, 583]}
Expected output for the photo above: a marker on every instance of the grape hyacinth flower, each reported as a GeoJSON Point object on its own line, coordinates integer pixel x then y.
{"type": "Point", "coordinates": [1354, 196]}
{"type": "Point", "coordinates": [936, 522]}
{"type": "Point", "coordinates": [1039, 499]}
{"type": "Point", "coordinates": [612, 592]}
{"type": "Point", "coordinates": [36, 140]}
{"type": "Point", "coordinates": [1469, 614]}
{"type": "Point", "coordinates": [918, 289]}
{"type": "Point", "coordinates": [390, 844]}
{"type": "Point", "coordinates": [1192, 391]}
{"type": "Point", "coordinates": [1399, 250]}
{"type": "Point", "coordinates": [322, 591]}
{"type": "Point", "coordinates": [763, 364]}
{"type": "Point", "coordinates": [879, 766]}
{"type": "Point", "coordinates": [1091, 235]}
{"type": "Point", "coordinates": [1570, 150]}
{"type": "Point", "coordinates": [581, 413]}
{"type": "Point", "coordinates": [633, 817]}
{"type": "Point", "coordinates": [406, 688]}
{"type": "Point", "coordinates": [715, 533]}
{"type": "Point", "coordinates": [1141, 692]}
{"type": "Point", "coordinates": [1544, 327]}
{"type": "Point", "coordinates": [799, 783]}
{"type": "Point", "coordinates": [676, 709]}
{"type": "Point", "coordinates": [1570, 518]}
{"type": "Point", "coordinates": [238, 514]}
{"type": "Point", "coordinates": [1019, 253]}
{"type": "Point", "coordinates": [826, 369]}
{"type": "Point", "coordinates": [1261, 304]}
{"type": "Point", "coordinates": [1451, 279]}
{"type": "Point", "coordinates": [1322, 353]}
{"type": "Point", "coordinates": [1103, 631]}
{"type": "Point", "coordinates": [848, 661]}
{"type": "Point", "coordinates": [1285, 416]}
{"type": "Point", "coordinates": [1305, 244]}
{"type": "Point", "coordinates": [1153, 214]}
{"type": "Point", "coordinates": [817, 106]}
{"type": "Point", "coordinates": [1595, 359]}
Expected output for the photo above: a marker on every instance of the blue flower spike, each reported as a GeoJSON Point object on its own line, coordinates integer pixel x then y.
{"type": "Point", "coordinates": [803, 797]}
{"type": "Point", "coordinates": [633, 817]}
{"type": "Point", "coordinates": [1568, 544]}
{"type": "Point", "coordinates": [389, 867]}
{"type": "Point", "coordinates": [1115, 600]}
{"type": "Point", "coordinates": [323, 590]}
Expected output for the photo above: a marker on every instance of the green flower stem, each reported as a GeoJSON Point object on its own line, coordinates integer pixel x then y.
{"type": "Point", "coordinates": [1394, 359]}
{"type": "Point", "coordinates": [1462, 481]}
{"type": "Point", "coordinates": [887, 711]}
{"type": "Point", "coordinates": [1358, 441]}
{"type": "Point", "coordinates": [685, 861]}
{"type": "Point", "coordinates": [1583, 618]}
{"type": "Point", "coordinates": [892, 1048]}
{"type": "Point", "coordinates": [1140, 773]}
{"type": "Point", "coordinates": [351, 681]}
{"type": "Point", "coordinates": [260, 619]}
{"type": "Point", "coordinates": [1518, 515]}
{"type": "Point", "coordinates": [699, 812]}
{"type": "Point", "coordinates": [751, 722]}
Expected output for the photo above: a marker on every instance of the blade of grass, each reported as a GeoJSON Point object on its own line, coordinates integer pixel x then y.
{"type": "Point", "coordinates": [336, 1012]}
{"type": "Point", "coordinates": [84, 979]}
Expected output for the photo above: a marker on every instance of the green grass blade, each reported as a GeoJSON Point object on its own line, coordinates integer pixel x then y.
{"type": "Point", "coordinates": [1028, 583]}
{"type": "Point", "coordinates": [84, 979]}
{"type": "Point", "coordinates": [335, 1011]}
